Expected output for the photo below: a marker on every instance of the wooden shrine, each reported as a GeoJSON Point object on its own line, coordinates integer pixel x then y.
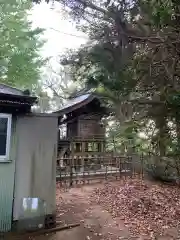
{"type": "Point", "coordinates": [81, 138]}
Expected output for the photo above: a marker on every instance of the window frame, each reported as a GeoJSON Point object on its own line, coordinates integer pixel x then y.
{"type": "Point", "coordinates": [5, 158]}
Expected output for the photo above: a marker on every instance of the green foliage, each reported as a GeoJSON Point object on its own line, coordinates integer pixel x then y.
{"type": "Point", "coordinates": [125, 138]}
{"type": "Point", "coordinates": [20, 59]}
{"type": "Point", "coordinates": [160, 172]}
{"type": "Point", "coordinates": [163, 168]}
{"type": "Point", "coordinates": [159, 11]}
{"type": "Point", "coordinates": [133, 56]}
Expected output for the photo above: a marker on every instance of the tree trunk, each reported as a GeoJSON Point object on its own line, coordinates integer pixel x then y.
{"type": "Point", "coordinates": [178, 132]}
{"type": "Point", "coordinates": [162, 127]}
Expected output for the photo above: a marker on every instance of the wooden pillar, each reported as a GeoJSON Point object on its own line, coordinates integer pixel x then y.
{"type": "Point", "coordinates": [82, 158]}
{"type": "Point", "coordinates": [72, 157]}
{"type": "Point", "coordinates": [71, 164]}
{"type": "Point", "coordinates": [102, 146]}
{"type": "Point", "coordinates": [103, 160]}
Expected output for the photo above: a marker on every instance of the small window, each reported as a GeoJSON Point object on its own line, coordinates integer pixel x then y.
{"type": "Point", "coordinates": [90, 147]}
{"type": "Point", "coordinates": [5, 134]}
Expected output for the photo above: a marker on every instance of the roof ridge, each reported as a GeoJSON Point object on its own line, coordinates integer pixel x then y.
{"type": "Point", "coordinates": [81, 92]}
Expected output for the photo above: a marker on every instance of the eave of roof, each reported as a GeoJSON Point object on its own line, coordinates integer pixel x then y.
{"type": "Point", "coordinates": [15, 102]}
{"type": "Point", "coordinates": [75, 104]}
{"type": "Point", "coordinates": [19, 97]}
{"type": "Point", "coordinates": [12, 94]}
{"type": "Point", "coordinates": [6, 89]}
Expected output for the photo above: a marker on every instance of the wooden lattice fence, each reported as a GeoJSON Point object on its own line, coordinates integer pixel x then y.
{"type": "Point", "coordinates": [86, 169]}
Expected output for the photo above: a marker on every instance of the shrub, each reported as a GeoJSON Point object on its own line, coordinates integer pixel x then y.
{"type": "Point", "coordinates": [161, 169]}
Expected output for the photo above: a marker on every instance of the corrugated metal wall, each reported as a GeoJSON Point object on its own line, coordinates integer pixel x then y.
{"type": "Point", "coordinates": [36, 161]}
{"type": "Point", "coordinates": [7, 171]}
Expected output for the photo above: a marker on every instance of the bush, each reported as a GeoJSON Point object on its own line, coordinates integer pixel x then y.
{"type": "Point", "coordinates": [161, 169]}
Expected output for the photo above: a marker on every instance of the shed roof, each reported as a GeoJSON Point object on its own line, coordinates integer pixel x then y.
{"type": "Point", "coordinates": [12, 95]}
{"type": "Point", "coordinates": [5, 89]}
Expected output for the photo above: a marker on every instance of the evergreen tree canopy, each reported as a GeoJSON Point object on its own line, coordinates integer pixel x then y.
{"type": "Point", "coordinates": [20, 60]}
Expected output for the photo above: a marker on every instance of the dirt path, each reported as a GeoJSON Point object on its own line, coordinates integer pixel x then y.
{"type": "Point", "coordinates": [96, 223]}
{"type": "Point", "coordinates": [74, 206]}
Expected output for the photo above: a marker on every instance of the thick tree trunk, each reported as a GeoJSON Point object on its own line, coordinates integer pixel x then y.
{"type": "Point", "coordinates": [178, 133]}
{"type": "Point", "coordinates": [161, 125]}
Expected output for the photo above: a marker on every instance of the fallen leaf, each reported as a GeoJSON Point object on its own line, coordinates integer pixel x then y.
{"type": "Point", "coordinates": [145, 208]}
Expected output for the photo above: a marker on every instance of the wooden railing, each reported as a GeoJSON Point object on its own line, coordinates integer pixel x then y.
{"type": "Point", "coordinates": [84, 169]}
{"type": "Point", "coordinates": [80, 138]}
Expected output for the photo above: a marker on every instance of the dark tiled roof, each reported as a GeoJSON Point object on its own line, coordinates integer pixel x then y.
{"type": "Point", "coordinates": [5, 89]}
{"type": "Point", "coordinates": [14, 102]}
{"type": "Point", "coordinates": [13, 96]}
{"type": "Point", "coordinates": [74, 101]}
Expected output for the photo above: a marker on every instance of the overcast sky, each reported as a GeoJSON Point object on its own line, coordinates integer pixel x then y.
{"type": "Point", "coordinates": [48, 17]}
{"type": "Point", "coordinates": [45, 16]}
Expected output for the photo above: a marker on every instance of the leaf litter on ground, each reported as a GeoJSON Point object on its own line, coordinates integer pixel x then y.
{"type": "Point", "coordinates": [146, 208]}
